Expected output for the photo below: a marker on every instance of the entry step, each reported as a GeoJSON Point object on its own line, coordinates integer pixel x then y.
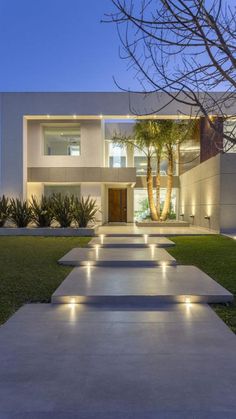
{"type": "Point", "coordinates": [140, 286]}
{"type": "Point", "coordinates": [133, 242]}
{"type": "Point", "coordinates": [98, 256]}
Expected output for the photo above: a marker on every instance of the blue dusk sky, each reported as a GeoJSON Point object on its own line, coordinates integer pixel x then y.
{"type": "Point", "coordinates": [59, 45]}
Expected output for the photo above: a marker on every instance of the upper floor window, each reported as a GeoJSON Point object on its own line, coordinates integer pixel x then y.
{"type": "Point", "coordinates": [140, 162]}
{"type": "Point", "coordinates": [62, 140]}
{"type": "Point", "coordinates": [117, 155]}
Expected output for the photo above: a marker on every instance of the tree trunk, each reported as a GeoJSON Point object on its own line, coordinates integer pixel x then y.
{"type": "Point", "coordinates": [170, 170]}
{"type": "Point", "coordinates": [151, 202]}
{"type": "Point", "coordinates": [158, 185]}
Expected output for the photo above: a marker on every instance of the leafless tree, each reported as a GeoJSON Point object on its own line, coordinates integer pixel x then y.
{"type": "Point", "coordinates": [185, 48]}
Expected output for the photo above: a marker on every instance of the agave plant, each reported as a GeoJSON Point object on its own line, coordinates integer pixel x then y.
{"type": "Point", "coordinates": [42, 211]}
{"type": "Point", "coordinates": [20, 212]}
{"type": "Point", "coordinates": [62, 206]}
{"type": "Point", "coordinates": [4, 210]}
{"type": "Point", "coordinates": [84, 211]}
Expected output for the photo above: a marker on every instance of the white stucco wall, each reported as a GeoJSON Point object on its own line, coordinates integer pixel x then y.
{"type": "Point", "coordinates": [210, 190]}
{"type": "Point", "coordinates": [92, 147]}
{"type": "Point", "coordinates": [228, 193]}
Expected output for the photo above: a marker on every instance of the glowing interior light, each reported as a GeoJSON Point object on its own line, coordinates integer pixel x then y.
{"type": "Point", "coordinates": [74, 116]}
{"type": "Point", "coordinates": [128, 116]}
{"type": "Point", "coordinates": [102, 238]}
{"type": "Point", "coordinates": [72, 301]}
{"type": "Point", "coordinates": [101, 116]}
{"type": "Point", "coordinates": [48, 116]}
{"type": "Point", "coordinates": [145, 238]}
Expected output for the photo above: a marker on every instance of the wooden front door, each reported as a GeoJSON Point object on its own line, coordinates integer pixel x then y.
{"type": "Point", "coordinates": [117, 205]}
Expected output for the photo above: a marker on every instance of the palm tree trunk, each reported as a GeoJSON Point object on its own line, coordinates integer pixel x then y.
{"type": "Point", "coordinates": [170, 170]}
{"type": "Point", "coordinates": [158, 185]}
{"type": "Point", "coordinates": [151, 202]}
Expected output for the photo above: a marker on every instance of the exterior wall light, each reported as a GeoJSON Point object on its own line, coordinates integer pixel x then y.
{"type": "Point", "coordinates": [207, 217]}
{"type": "Point", "coordinates": [181, 215]}
{"type": "Point", "coordinates": [74, 116]}
{"type": "Point", "coordinates": [187, 300]}
{"type": "Point", "coordinates": [48, 116]}
{"type": "Point", "coordinates": [101, 116]}
{"type": "Point", "coordinates": [192, 216]}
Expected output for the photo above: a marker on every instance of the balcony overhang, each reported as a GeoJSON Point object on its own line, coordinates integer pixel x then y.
{"type": "Point", "coordinates": [82, 174]}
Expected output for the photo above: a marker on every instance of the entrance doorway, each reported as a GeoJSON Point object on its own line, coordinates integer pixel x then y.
{"type": "Point", "coordinates": [117, 205]}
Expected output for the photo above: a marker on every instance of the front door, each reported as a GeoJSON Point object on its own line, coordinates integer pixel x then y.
{"type": "Point", "coordinates": [117, 205]}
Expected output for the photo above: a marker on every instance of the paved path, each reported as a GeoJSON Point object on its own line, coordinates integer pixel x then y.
{"type": "Point", "coordinates": [63, 362]}
{"type": "Point", "coordinates": [120, 361]}
{"type": "Point", "coordinates": [145, 286]}
{"type": "Point", "coordinates": [150, 256]}
{"type": "Point", "coordinates": [132, 229]}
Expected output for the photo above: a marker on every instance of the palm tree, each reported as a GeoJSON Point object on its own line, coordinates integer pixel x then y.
{"type": "Point", "coordinates": [144, 134]}
{"type": "Point", "coordinates": [158, 138]}
{"type": "Point", "coordinates": [143, 140]}
{"type": "Point", "coordinates": [172, 133]}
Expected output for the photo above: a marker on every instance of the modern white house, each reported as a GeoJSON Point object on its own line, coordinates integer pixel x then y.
{"type": "Point", "coordinates": [62, 142]}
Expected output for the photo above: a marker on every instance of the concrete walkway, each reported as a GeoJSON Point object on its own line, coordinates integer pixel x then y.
{"type": "Point", "coordinates": [78, 362]}
{"type": "Point", "coordinates": [132, 229]}
{"type": "Point", "coordinates": [152, 256]}
{"type": "Point", "coordinates": [121, 359]}
{"type": "Point", "coordinates": [135, 286]}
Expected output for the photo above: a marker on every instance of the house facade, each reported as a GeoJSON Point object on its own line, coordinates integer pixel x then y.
{"type": "Point", "coordinates": [62, 142]}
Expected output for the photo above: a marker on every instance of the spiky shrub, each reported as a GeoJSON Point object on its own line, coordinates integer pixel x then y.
{"type": "Point", "coordinates": [20, 212]}
{"type": "Point", "coordinates": [42, 211]}
{"type": "Point", "coordinates": [4, 210]}
{"type": "Point", "coordinates": [85, 211]}
{"type": "Point", "coordinates": [62, 206]}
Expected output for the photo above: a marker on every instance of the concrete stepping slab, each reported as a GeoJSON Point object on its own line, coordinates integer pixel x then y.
{"type": "Point", "coordinates": [134, 242]}
{"type": "Point", "coordinates": [98, 256]}
{"type": "Point", "coordinates": [145, 286]}
{"type": "Point", "coordinates": [70, 361]}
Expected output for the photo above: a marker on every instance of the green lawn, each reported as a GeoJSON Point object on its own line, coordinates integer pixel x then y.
{"type": "Point", "coordinates": [29, 271]}
{"type": "Point", "coordinates": [215, 255]}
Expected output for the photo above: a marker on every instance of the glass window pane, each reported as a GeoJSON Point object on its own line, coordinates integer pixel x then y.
{"type": "Point", "coordinates": [141, 207]}
{"type": "Point", "coordinates": [117, 155]}
{"type": "Point", "coordinates": [140, 162]}
{"type": "Point", "coordinates": [62, 141]}
{"type": "Point", "coordinates": [230, 130]}
{"type": "Point", "coordinates": [62, 189]}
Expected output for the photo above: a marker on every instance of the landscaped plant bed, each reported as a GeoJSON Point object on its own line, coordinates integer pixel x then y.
{"type": "Point", "coordinates": [168, 223]}
{"type": "Point", "coordinates": [49, 231]}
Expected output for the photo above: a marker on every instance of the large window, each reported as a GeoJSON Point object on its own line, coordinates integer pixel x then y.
{"type": "Point", "coordinates": [61, 140]}
{"type": "Point", "coordinates": [51, 189]}
{"type": "Point", "coordinates": [230, 130]}
{"type": "Point", "coordinates": [140, 162]}
{"type": "Point", "coordinates": [141, 207]}
{"type": "Point", "coordinates": [117, 155]}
